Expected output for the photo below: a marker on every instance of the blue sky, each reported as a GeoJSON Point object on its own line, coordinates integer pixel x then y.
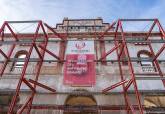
{"type": "Point", "coordinates": [53, 11]}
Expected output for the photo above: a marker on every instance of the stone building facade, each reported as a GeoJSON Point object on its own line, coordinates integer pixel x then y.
{"type": "Point", "coordinates": [148, 81]}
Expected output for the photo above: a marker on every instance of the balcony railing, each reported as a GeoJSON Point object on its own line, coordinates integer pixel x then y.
{"type": "Point", "coordinates": [148, 68]}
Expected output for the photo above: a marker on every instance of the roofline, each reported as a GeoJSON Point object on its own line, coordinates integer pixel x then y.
{"type": "Point", "coordinates": [90, 19]}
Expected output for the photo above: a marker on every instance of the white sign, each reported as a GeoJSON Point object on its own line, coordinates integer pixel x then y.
{"type": "Point", "coordinates": [80, 47]}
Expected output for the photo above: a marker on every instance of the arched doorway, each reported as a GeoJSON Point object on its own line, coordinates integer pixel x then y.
{"type": "Point", "coordinates": [81, 101]}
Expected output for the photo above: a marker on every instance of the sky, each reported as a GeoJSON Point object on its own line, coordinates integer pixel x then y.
{"type": "Point", "coordinates": [53, 11]}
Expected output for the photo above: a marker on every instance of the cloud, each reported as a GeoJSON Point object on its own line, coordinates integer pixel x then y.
{"type": "Point", "coordinates": [156, 11]}
{"type": "Point", "coordinates": [53, 11]}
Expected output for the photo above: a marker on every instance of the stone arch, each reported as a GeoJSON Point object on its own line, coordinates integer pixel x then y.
{"type": "Point", "coordinates": [145, 53]}
{"type": "Point", "coordinates": [81, 98]}
{"type": "Point", "coordinates": [147, 66]}
{"type": "Point", "coordinates": [19, 54]}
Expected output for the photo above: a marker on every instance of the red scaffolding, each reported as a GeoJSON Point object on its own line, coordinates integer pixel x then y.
{"type": "Point", "coordinates": [120, 47]}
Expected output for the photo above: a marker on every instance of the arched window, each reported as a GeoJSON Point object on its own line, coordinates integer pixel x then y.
{"type": "Point", "coordinates": [80, 101]}
{"type": "Point", "coordinates": [147, 66]}
{"type": "Point", "coordinates": [20, 63]}
{"type": "Point", "coordinates": [19, 56]}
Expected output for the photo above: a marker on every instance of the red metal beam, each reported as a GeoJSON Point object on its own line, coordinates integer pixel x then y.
{"type": "Point", "coordinates": [137, 20]}
{"type": "Point", "coordinates": [114, 86]}
{"type": "Point", "coordinates": [39, 67]}
{"type": "Point", "coordinates": [27, 21]}
{"type": "Point", "coordinates": [2, 35]}
{"type": "Point", "coordinates": [131, 68]}
{"type": "Point", "coordinates": [54, 32]}
{"type": "Point", "coordinates": [95, 43]}
{"type": "Point", "coordinates": [96, 108]}
{"type": "Point", "coordinates": [110, 27]}
{"type": "Point", "coordinates": [128, 84]}
{"type": "Point", "coordinates": [42, 85]}
{"type": "Point", "coordinates": [13, 103]}
{"type": "Point", "coordinates": [29, 85]}
{"type": "Point", "coordinates": [102, 43]}
{"type": "Point", "coordinates": [156, 62]}
{"type": "Point", "coordinates": [159, 52]}
{"type": "Point", "coordinates": [128, 105]}
{"type": "Point", "coordinates": [109, 52]}
{"type": "Point", "coordinates": [121, 52]}
{"type": "Point", "coordinates": [3, 54]}
{"type": "Point", "coordinates": [45, 34]}
{"type": "Point", "coordinates": [38, 52]}
{"type": "Point", "coordinates": [52, 54]}
{"type": "Point", "coordinates": [6, 61]}
{"type": "Point", "coordinates": [14, 35]}
{"type": "Point", "coordinates": [2, 27]}
{"type": "Point", "coordinates": [20, 111]}
{"type": "Point", "coordinates": [132, 109]}
{"type": "Point", "coordinates": [102, 51]}
{"type": "Point", "coordinates": [161, 28]}
{"type": "Point", "coordinates": [85, 108]}
{"type": "Point", "coordinates": [11, 49]}
{"type": "Point", "coordinates": [85, 34]}
{"type": "Point", "coordinates": [163, 33]}
{"type": "Point", "coordinates": [149, 33]}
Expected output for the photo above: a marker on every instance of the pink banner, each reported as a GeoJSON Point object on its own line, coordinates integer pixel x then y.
{"type": "Point", "coordinates": [79, 69]}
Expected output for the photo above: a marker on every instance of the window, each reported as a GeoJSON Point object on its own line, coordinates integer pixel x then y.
{"type": "Point", "coordinates": [98, 28]}
{"type": "Point", "coordinates": [20, 55]}
{"type": "Point", "coordinates": [20, 64]}
{"type": "Point", "coordinates": [140, 41]}
{"type": "Point", "coordinates": [147, 66]}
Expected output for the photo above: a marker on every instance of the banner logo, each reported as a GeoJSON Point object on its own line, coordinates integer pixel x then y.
{"type": "Point", "coordinates": [80, 45]}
